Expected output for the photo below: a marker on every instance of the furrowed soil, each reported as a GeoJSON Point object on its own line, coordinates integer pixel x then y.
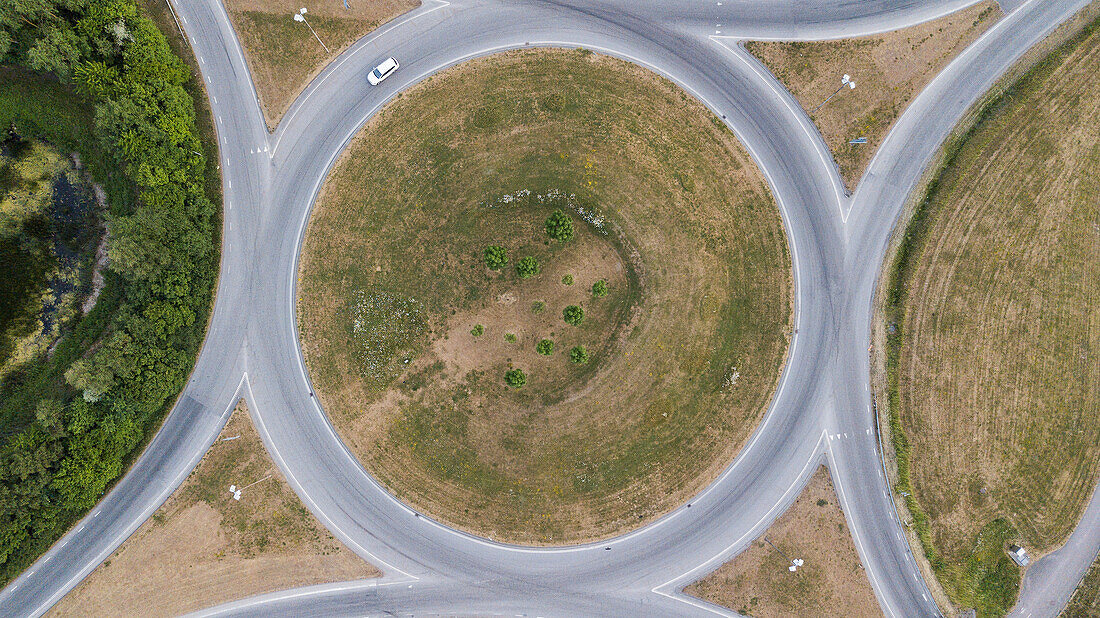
{"type": "Point", "coordinates": [283, 54]}
{"type": "Point", "coordinates": [684, 351]}
{"type": "Point", "coordinates": [831, 581]}
{"type": "Point", "coordinates": [995, 354]}
{"type": "Point", "coordinates": [203, 548]}
{"type": "Point", "coordinates": [889, 69]}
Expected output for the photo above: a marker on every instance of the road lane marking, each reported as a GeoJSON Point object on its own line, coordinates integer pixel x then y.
{"type": "Point", "coordinates": [830, 170]}
{"type": "Point", "coordinates": [363, 44]}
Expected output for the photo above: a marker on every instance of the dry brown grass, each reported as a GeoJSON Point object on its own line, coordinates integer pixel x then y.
{"type": "Point", "coordinates": [696, 245]}
{"type": "Point", "coordinates": [203, 548]}
{"type": "Point", "coordinates": [282, 54]}
{"type": "Point", "coordinates": [998, 374]}
{"type": "Point", "coordinates": [832, 581]}
{"type": "Point", "coordinates": [889, 69]}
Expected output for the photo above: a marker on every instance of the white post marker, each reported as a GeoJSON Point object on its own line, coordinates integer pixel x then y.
{"type": "Point", "coordinates": [844, 81]}
{"type": "Point", "coordinates": [301, 16]}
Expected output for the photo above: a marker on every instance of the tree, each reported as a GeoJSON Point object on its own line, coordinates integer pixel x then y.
{"type": "Point", "coordinates": [515, 378]}
{"type": "Point", "coordinates": [559, 226]}
{"type": "Point", "coordinates": [573, 314]}
{"type": "Point", "coordinates": [578, 355]}
{"type": "Point", "coordinates": [527, 267]}
{"type": "Point", "coordinates": [545, 347]}
{"type": "Point", "coordinates": [599, 288]}
{"type": "Point", "coordinates": [496, 257]}
{"type": "Point", "coordinates": [477, 330]}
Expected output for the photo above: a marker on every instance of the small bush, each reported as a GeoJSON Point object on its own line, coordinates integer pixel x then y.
{"type": "Point", "coordinates": [599, 288]}
{"type": "Point", "coordinates": [559, 226]}
{"type": "Point", "coordinates": [578, 355]}
{"type": "Point", "coordinates": [477, 330]}
{"type": "Point", "coordinates": [496, 257]}
{"type": "Point", "coordinates": [573, 314]}
{"type": "Point", "coordinates": [538, 306]}
{"type": "Point", "coordinates": [527, 267]}
{"type": "Point", "coordinates": [567, 279]}
{"type": "Point", "coordinates": [515, 378]}
{"type": "Point", "coordinates": [510, 337]}
{"type": "Point", "coordinates": [822, 502]}
{"type": "Point", "coordinates": [545, 347]}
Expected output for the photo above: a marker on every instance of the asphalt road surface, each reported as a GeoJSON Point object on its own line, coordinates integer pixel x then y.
{"type": "Point", "coordinates": [821, 411]}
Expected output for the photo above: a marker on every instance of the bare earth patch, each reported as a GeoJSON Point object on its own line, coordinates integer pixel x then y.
{"type": "Point", "coordinates": [283, 54]}
{"type": "Point", "coordinates": [668, 210]}
{"type": "Point", "coordinates": [997, 374]}
{"type": "Point", "coordinates": [831, 581]}
{"type": "Point", "coordinates": [203, 548]}
{"type": "Point", "coordinates": [889, 70]}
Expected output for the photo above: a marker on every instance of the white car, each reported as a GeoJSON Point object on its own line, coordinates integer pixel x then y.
{"type": "Point", "coordinates": [382, 71]}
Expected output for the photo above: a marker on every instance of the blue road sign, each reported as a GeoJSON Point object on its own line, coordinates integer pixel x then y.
{"type": "Point", "coordinates": [858, 140]}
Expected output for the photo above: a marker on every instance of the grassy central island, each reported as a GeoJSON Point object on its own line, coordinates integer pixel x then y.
{"type": "Point", "coordinates": [545, 296]}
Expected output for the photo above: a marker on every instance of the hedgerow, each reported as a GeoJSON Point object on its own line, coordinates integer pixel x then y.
{"type": "Point", "coordinates": [73, 420]}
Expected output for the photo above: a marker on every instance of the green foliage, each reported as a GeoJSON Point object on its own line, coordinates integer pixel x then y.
{"type": "Point", "coordinates": [567, 280]}
{"type": "Point", "coordinates": [559, 226]}
{"type": "Point", "coordinates": [538, 307]}
{"type": "Point", "coordinates": [510, 337]}
{"type": "Point", "coordinates": [545, 347]}
{"type": "Point", "coordinates": [83, 411]}
{"type": "Point", "coordinates": [600, 289]}
{"type": "Point", "coordinates": [496, 257]}
{"type": "Point", "coordinates": [578, 355]}
{"type": "Point", "coordinates": [527, 267]}
{"type": "Point", "coordinates": [573, 314]}
{"type": "Point", "coordinates": [515, 378]}
{"type": "Point", "coordinates": [478, 330]}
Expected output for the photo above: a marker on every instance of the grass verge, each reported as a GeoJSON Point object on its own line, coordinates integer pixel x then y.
{"type": "Point", "coordinates": [889, 70]}
{"type": "Point", "coordinates": [203, 548]}
{"type": "Point", "coordinates": [990, 252]}
{"type": "Point", "coordinates": [283, 54]}
{"type": "Point", "coordinates": [1085, 602]}
{"type": "Point", "coordinates": [831, 582]}
{"type": "Point", "coordinates": [394, 286]}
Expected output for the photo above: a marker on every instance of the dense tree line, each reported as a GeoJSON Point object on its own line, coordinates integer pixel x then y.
{"type": "Point", "coordinates": [75, 438]}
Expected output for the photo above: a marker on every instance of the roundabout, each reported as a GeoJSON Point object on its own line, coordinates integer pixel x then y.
{"type": "Point", "coordinates": [821, 408]}
{"type": "Point", "coordinates": [409, 330]}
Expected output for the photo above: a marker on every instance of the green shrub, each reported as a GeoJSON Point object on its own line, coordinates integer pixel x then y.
{"type": "Point", "coordinates": [545, 347]}
{"type": "Point", "coordinates": [578, 355]}
{"type": "Point", "coordinates": [137, 346]}
{"type": "Point", "coordinates": [496, 257]}
{"type": "Point", "coordinates": [599, 289]}
{"type": "Point", "coordinates": [515, 378]}
{"type": "Point", "coordinates": [510, 337]}
{"type": "Point", "coordinates": [477, 330]}
{"type": "Point", "coordinates": [527, 267]}
{"type": "Point", "coordinates": [573, 314]}
{"type": "Point", "coordinates": [567, 279]}
{"type": "Point", "coordinates": [559, 226]}
{"type": "Point", "coordinates": [538, 306]}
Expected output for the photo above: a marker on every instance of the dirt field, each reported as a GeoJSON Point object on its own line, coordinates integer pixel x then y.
{"type": "Point", "coordinates": [284, 56]}
{"type": "Point", "coordinates": [997, 374]}
{"type": "Point", "coordinates": [830, 583]}
{"type": "Point", "coordinates": [889, 70]}
{"type": "Point", "coordinates": [393, 283]}
{"type": "Point", "coordinates": [202, 547]}
{"type": "Point", "coordinates": [1085, 602]}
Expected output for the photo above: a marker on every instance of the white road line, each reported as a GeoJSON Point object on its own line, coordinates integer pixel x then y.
{"type": "Point", "coordinates": [794, 260]}
{"type": "Point", "coordinates": [329, 71]}
{"type": "Point", "coordinates": [83, 572]}
{"type": "Point", "coordinates": [803, 119]}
